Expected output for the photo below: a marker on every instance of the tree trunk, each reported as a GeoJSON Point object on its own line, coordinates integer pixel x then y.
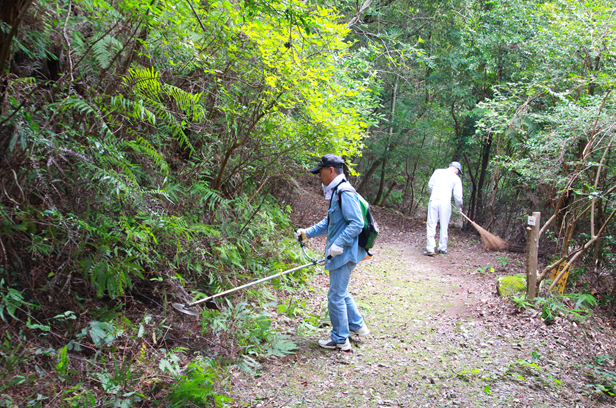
{"type": "Point", "coordinates": [391, 188]}
{"type": "Point", "coordinates": [12, 13]}
{"type": "Point", "coordinates": [411, 178]}
{"type": "Point", "coordinates": [487, 145]}
{"type": "Point", "coordinates": [471, 207]}
{"type": "Point", "coordinates": [599, 221]}
{"type": "Point", "coordinates": [382, 183]}
{"type": "Point", "coordinates": [368, 175]}
{"type": "Point", "coordinates": [496, 180]}
{"type": "Point", "coordinates": [391, 132]}
{"type": "Point", "coordinates": [405, 190]}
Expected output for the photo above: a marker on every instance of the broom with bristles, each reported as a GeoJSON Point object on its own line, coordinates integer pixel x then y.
{"type": "Point", "coordinates": [490, 241]}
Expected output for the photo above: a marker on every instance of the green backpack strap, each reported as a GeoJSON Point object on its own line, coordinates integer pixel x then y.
{"type": "Point", "coordinates": [371, 228]}
{"type": "Point", "coordinates": [341, 189]}
{"type": "Point", "coordinates": [337, 191]}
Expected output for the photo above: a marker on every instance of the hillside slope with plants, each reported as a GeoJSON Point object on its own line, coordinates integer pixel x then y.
{"type": "Point", "coordinates": [140, 146]}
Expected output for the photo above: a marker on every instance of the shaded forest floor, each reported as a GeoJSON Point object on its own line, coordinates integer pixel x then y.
{"type": "Point", "coordinates": [441, 336]}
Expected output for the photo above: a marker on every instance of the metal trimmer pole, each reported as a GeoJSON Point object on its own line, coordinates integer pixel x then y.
{"type": "Point", "coordinates": [281, 273]}
{"type": "Point", "coordinates": [187, 308]}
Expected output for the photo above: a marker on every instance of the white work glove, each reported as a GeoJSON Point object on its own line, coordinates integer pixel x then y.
{"type": "Point", "coordinates": [300, 232]}
{"type": "Point", "coordinates": [335, 250]}
{"type": "Point", "coordinates": [459, 208]}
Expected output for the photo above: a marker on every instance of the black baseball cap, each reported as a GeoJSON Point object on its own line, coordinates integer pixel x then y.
{"type": "Point", "coordinates": [329, 160]}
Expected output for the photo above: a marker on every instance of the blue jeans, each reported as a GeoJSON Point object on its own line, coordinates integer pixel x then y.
{"type": "Point", "coordinates": [343, 312]}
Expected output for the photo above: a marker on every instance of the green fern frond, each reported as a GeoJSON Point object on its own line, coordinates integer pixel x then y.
{"type": "Point", "coordinates": [112, 158]}
{"type": "Point", "coordinates": [115, 182]}
{"type": "Point", "coordinates": [175, 127]}
{"type": "Point", "coordinates": [145, 82]}
{"type": "Point", "coordinates": [209, 197]}
{"type": "Point", "coordinates": [143, 113]}
{"type": "Point", "coordinates": [149, 92]}
{"type": "Point", "coordinates": [183, 139]}
{"type": "Point", "coordinates": [161, 193]}
{"type": "Point", "coordinates": [86, 109]}
{"type": "Point", "coordinates": [143, 146]}
{"type": "Point", "coordinates": [105, 49]}
{"type": "Point", "coordinates": [186, 101]}
{"type": "Point", "coordinates": [80, 105]}
{"type": "Point", "coordinates": [136, 110]}
{"type": "Point", "coordinates": [280, 346]}
{"type": "Point", "coordinates": [127, 170]}
{"type": "Point", "coordinates": [206, 230]}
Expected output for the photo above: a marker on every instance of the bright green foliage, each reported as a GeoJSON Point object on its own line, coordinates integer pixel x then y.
{"type": "Point", "coordinates": [196, 387]}
{"type": "Point", "coordinates": [521, 302]}
{"type": "Point", "coordinates": [583, 301]}
{"type": "Point", "coordinates": [10, 301]}
{"type": "Point", "coordinates": [102, 333]}
{"type": "Point", "coordinates": [553, 307]}
{"type": "Point", "coordinates": [298, 72]}
{"type": "Point", "coordinates": [170, 364]}
{"type": "Point", "coordinates": [62, 366]}
{"type": "Point", "coordinates": [162, 127]}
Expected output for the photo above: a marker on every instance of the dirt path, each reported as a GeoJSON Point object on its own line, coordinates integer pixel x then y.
{"type": "Point", "coordinates": [440, 337]}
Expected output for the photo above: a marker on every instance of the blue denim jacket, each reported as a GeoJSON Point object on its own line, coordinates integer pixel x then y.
{"type": "Point", "coordinates": [345, 224]}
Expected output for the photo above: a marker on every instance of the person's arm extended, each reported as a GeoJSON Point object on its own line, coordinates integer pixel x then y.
{"type": "Point", "coordinates": [457, 192]}
{"type": "Point", "coordinates": [317, 229]}
{"type": "Point", "coordinates": [351, 211]}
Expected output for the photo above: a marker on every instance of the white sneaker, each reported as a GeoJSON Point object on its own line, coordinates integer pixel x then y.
{"type": "Point", "coordinates": [329, 344]}
{"type": "Point", "coordinates": [362, 331]}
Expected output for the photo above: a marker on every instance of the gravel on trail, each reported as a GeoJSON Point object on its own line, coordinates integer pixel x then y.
{"type": "Point", "coordinates": [440, 336]}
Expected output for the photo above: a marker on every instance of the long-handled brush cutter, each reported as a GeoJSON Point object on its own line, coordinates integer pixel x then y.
{"type": "Point", "coordinates": [210, 302]}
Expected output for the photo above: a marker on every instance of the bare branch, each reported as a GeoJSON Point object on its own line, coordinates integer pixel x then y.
{"type": "Point", "coordinates": [357, 16]}
{"type": "Point", "coordinates": [581, 251]}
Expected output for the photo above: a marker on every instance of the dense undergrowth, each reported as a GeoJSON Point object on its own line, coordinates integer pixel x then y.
{"type": "Point", "coordinates": [140, 146]}
{"type": "Point", "coordinates": [82, 347]}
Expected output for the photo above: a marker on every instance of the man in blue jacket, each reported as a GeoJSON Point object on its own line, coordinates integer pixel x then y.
{"type": "Point", "coordinates": [343, 224]}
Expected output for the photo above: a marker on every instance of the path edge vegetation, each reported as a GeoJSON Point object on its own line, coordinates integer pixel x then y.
{"type": "Point", "coordinates": [142, 144]}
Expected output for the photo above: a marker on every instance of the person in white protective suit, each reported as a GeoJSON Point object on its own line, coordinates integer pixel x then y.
{"type": "Point", "coordinates": [442, 183]}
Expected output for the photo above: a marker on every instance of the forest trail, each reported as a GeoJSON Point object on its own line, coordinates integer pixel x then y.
{"type": "Point", "coordinates": [440, 337]}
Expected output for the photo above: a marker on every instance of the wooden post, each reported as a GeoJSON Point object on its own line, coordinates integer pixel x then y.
{"type": "Point", "coordinates": [532, 250]}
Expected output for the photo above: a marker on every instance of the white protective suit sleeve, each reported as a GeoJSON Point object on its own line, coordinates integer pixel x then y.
{"type": "Point", "coordinates": [457, 191]}
{"type": "Point", "coordinates": [431, 182]}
